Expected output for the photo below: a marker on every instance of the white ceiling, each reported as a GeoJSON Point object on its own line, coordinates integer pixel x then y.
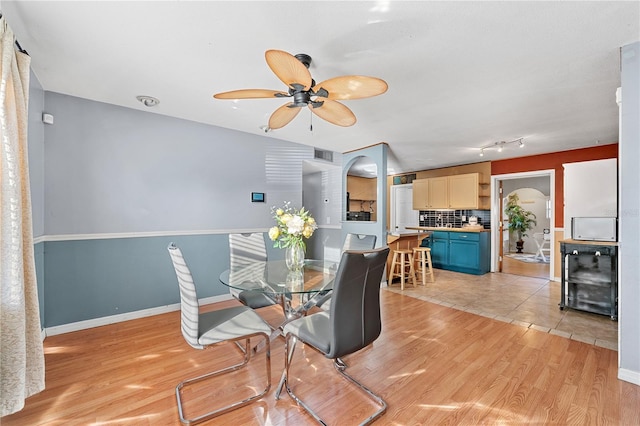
{"type": "Point", "coordinates": [461, 75]}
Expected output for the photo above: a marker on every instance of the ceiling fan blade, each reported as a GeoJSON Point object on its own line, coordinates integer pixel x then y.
{"type": "Point", "coordinates": [352, 87]}
{"type": "Point", "coordinates": [250, 94]}
{"type": "Point", "coordinates": [335, 113]}
{"type": "Point", "coordinates": [288, 69]}
{"type": "Point", "coordinates": [283, 116]}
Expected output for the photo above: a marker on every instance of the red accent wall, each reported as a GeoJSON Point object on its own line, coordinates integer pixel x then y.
{"type": "Point", "coordinates": [554, 161]}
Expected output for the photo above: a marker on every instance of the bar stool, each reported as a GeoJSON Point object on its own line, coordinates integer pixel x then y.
{"type": "Point", "coordinates": [422, 255]}
{"type": "Point", "coordinates": [402, 259]}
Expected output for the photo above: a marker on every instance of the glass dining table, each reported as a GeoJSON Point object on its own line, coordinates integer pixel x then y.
{"type": "Point", "coordinates": [294, 291]}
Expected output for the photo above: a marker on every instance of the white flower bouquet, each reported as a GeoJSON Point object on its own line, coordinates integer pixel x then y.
{"type": "Point", "coordinates": [292, 226]}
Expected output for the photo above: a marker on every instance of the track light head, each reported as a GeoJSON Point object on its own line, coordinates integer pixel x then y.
{"type": "Point", "coordinates": [499, 146]}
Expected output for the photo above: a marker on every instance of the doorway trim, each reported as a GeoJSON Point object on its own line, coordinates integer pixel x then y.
{"type": "Point", "coordinates": [496, 237]}
{"type": "Point", "coordinates": [392, 202]}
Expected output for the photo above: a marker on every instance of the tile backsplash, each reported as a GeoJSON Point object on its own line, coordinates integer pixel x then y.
{"type": "Point", "coordinates": [454, 217]}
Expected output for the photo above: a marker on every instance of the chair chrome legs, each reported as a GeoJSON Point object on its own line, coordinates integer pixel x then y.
{"type": "Point", "coordinates": [290, 340]}
{"type": "Point", "coordinates": [247, 356]}
{"type": "Point", "coordinates": [289, 355]}
{"type": "Point", "coordinates": [340, 367]}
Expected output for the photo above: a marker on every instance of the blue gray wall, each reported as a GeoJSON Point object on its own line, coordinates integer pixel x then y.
{"type": "Point", "coordinates": [378, 155]}
{"type": "Point", "coordinates": [629, 216]}
{"type": "Point", "coordinates": [120, 184]}
{"type": "Point", "coordinates": [117, 170]}
{"type": "Point", "coordinates": [35, 132]}
{"type": "Point", "coordinates": [322, 195]}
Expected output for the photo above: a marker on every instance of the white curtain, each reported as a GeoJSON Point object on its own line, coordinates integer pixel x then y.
{"type": "Point", "coordinates": [21, 349]}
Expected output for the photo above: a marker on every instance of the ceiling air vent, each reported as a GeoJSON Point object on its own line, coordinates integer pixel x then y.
{"type": "Point", "coordinates": [319, 154]}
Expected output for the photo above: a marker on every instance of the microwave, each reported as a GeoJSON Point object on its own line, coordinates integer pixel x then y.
{"type": "Point", "coordinates": [594, 228]}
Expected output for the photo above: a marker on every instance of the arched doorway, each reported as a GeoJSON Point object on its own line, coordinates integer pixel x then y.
{"type": "Point", "coordinates": [532, 196]}
{"type": "Point", "coordinates": [540, 196]}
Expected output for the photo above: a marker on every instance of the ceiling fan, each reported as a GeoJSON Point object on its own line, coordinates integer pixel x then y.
{"type": "Point", "coordinates": [322, 99]}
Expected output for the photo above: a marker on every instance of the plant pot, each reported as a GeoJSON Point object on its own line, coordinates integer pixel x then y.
{"type": "Point", "coordinates": [519, 246]}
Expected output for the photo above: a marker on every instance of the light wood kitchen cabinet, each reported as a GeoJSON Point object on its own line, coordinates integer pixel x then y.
{"type": "Point", "coordinates": [439, 192]}
{"type": "Point", "coordinates": [463, 191]}
{"type": "Point", "coordinates": [360, 188]}
{"type": "Point", "coordinates": [421, 194]}
{"type": "Point", "coordinates": [430, 193]}
{"type": "Point", "coordinates": [362, 195]}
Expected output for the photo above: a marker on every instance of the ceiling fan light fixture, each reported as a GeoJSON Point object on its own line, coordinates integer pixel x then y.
{"type": "Point", "coordinates": [294, 73]}
{"type": "Point", "coordinates": [301, 99]}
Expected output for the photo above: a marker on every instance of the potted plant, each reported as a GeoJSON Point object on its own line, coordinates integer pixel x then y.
{"type": "Point", "coordinates": [519, 220]}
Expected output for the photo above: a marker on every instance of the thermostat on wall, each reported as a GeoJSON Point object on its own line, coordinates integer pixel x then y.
{"type": "Point", "coordinates": [257, 197]}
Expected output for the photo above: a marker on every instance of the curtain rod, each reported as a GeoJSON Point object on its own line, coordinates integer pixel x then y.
{"type": "Point", "coordinates": [15, 40]}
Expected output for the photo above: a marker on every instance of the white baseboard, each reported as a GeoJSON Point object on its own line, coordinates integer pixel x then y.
{"type": "Point", "coordinates": [629, 376]}
{"type": "Point", "coordinates": [112, 319]}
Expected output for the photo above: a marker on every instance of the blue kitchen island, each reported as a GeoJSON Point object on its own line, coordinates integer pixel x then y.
{"type": "Point", "coordinates": [459, 249]}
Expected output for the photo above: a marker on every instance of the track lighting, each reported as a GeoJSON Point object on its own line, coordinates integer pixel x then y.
{"type": "Point", "coordinates": [499, 146]}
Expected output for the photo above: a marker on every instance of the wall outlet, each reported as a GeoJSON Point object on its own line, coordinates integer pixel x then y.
{"type": "Point", "coordinates": [464, 218]}
{"type": "Point", "coordinates": [421, 217]}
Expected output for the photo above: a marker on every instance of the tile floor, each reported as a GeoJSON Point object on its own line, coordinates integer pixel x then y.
{"type": "Point", "coordinates": [531, 302]}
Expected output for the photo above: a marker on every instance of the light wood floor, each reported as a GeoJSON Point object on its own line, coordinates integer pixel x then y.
{"type": "Point", "coordinates": [433, 365]}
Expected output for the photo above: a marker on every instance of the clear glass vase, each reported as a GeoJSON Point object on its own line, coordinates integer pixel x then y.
{"type": "Point", "coordinates": [294, 257]}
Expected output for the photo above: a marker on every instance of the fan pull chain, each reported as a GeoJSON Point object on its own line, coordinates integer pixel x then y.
{"type": "Point", "coordinates": [310, 121]}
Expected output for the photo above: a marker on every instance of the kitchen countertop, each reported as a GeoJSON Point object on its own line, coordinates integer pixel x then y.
{"type": "Point", "coordinates": [404, 236]}
{"type": "Point", "coordinates": [407, 233]}
{"type": "Point", "coordinates": [434, 228]}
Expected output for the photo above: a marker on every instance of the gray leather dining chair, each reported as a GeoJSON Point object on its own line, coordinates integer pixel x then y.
{"type": "Point", "coordinates": [202, 330]}
{"type": "Point", "coordinates": [359, 242]}
{"type": "Point", "coordinates": [245, 250]}
{"type": "Point", "coordinates": [351, 242]}
{"type": "Point", "coordinates": [352, 323]}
